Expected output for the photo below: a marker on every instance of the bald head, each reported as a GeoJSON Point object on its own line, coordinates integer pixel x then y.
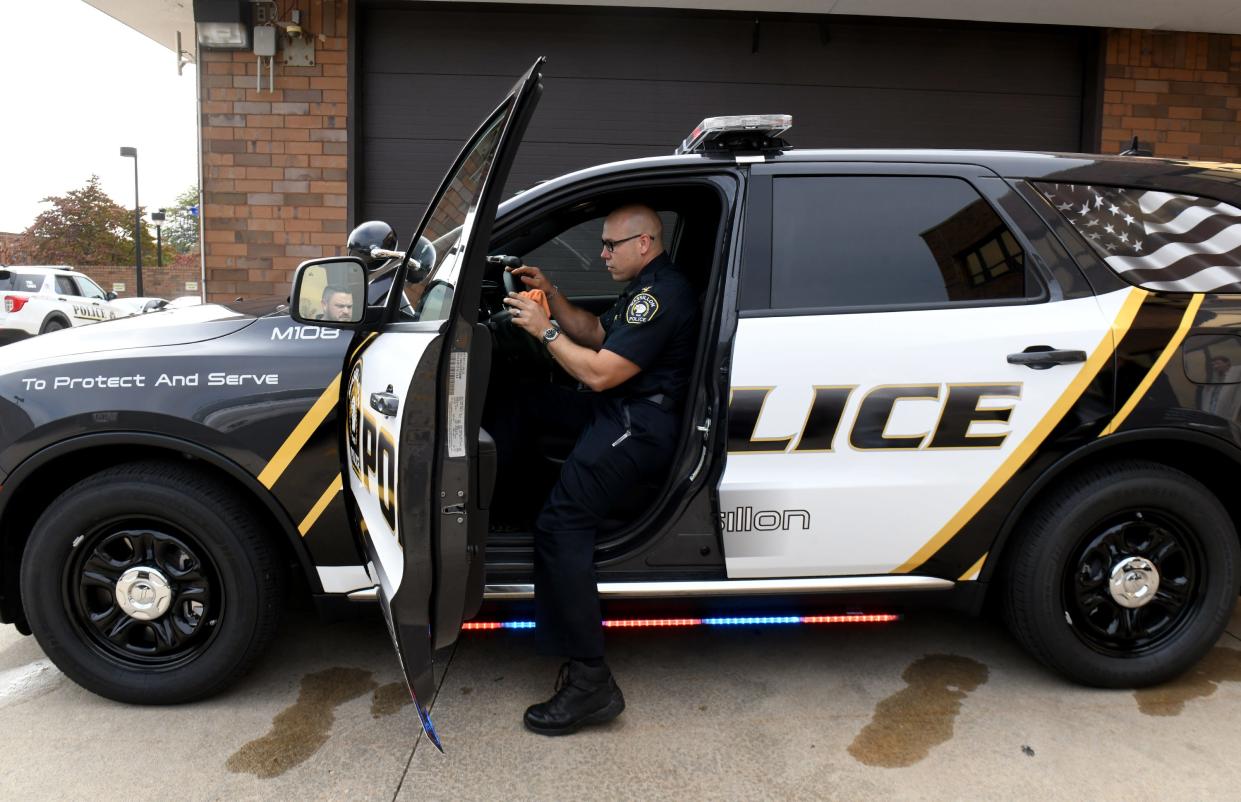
{"type": "Point", "coordinates": [638, 219]}
{"type": "Point", "coordinates": [638, 237]}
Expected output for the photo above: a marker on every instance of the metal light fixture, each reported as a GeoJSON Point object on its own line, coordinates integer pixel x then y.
{"type": "Point", "coordinates": [222, 24]}
{"type": "Point", "coordinates": [158, 217]}
{"type": "Point", "coordinates": [132, 153]}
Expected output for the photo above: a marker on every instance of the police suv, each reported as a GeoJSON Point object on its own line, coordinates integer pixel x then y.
{"type": "Point", "coordinates": [37, 299]}
{"type": "Point", "coordinates": [984, 379]}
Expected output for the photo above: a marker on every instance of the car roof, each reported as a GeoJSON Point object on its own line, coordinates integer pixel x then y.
{"type": "Point", "coordinates": [53, 269]}
{"type": "Point", "coordinates": [1207, 179]}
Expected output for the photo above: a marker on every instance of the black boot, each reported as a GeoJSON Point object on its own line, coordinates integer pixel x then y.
{"type": "Point", "coordinates": [584, 695]}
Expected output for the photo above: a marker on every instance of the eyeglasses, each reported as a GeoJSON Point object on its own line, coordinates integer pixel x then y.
{"type": "Point", "coordinates": [609, 245]}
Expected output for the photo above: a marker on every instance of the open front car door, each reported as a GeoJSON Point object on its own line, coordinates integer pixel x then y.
{"type": "Point", "coordinates": [415, 390]}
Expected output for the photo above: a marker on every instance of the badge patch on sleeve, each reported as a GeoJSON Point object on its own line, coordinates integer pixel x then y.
{"type": "Point", "coordinates": [641, 309]}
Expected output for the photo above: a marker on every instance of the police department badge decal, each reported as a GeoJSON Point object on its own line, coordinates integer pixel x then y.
{"type": "Point", "coordinates": [641, 309]}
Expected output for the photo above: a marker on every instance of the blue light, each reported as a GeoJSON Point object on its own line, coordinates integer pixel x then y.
{"type": "Point", "coordinates": [739, 621]}
{"type": "Point", "coordinates": [519, 625]}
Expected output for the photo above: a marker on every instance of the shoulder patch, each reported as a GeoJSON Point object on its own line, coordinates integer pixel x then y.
{"type": "Point", "coordinates": [642, 308]}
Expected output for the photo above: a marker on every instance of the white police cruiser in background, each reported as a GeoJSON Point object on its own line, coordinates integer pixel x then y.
{"type": "Point", "coordinates": [981, 379]}
{"type": "Point", "coordinates": [36, 299]}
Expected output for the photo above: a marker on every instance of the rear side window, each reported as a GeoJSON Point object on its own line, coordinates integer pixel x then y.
{"type": "Point", "coordinates": [881, 241]}
{"type": "Point", "coordinates": [65, 286]}
{"type": "Point", "coordinates": [21, 282]}
{"type": "Point", "coordinates": [1160, 241]}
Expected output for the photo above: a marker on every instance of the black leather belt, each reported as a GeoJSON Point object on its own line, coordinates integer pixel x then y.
{"type": "Point", "coordinates": [664, 402]}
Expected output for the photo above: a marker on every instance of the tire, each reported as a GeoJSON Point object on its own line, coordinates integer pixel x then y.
{"type": "Point", "coordinates": [156, 529]}
{"type": "Point", "coordinates": [54, 324]}
{"type": "Point", "coordinates": [1101, 524]}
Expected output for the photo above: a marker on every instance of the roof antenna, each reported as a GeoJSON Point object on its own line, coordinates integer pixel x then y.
{"type": "Point", "coordinates": [1135, 149]}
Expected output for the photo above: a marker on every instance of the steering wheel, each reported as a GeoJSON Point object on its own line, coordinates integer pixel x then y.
{"type": "Point", "coordinates": [510, 283]}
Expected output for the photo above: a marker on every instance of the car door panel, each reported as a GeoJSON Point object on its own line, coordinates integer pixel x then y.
{"type": "Point", "coordinates": [808, 491]}
{"type": "Point", "coordinates": [415, 400]}
{"type": "Point", "coordinates": [859, 439]}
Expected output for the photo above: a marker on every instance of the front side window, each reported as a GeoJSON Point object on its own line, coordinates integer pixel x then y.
{"type": "Point", "coordinates": [89, 288]}
{"type": "Point", "coordinates": [428, 292]}
{"type": "Point", "coordinates": [1160, 241]}
{"type": "Point", "coordinates": [572, 262]}
{"type": "Point", "coordinates": [885, 241]}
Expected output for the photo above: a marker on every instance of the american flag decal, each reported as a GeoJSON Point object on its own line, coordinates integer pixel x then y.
{"type": "Point", "coordinates": [1157, 240]}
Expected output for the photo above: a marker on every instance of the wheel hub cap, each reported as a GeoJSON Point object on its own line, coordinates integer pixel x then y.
{"type": "Point", "coordinates": [143, 593]}
{"type": "Point", "coordinates": [1133, 582]}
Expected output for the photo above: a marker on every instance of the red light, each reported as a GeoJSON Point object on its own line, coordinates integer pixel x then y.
{"type": "Point", "coordinates": [482, 625]}
{"type": "Point", "coordinates": [14, 303]}
{"type": "Point", "coordinates": [653, 622]}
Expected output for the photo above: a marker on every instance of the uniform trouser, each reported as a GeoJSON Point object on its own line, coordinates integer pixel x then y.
{"type": "Point", "coordinates": [603, 469]}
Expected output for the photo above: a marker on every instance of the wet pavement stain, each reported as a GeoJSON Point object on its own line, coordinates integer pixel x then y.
{"type": "Point", "coordinates": [1219, 665]}
{"type": "Point", "coordinates": [389, 699]}
{"type": "Point", "coordinates": [910, 722]}
{"type": "Point", "coordinates": [298, 731]}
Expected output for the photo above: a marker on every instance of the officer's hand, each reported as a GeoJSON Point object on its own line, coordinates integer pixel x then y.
{"type": "Point", "coordinates": [533, 278]}
{"type": "Point", "coordinates": [527, 315]}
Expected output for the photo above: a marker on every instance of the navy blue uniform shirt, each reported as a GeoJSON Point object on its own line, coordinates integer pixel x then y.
{"type": "Point", "coordinates": [654, 324]}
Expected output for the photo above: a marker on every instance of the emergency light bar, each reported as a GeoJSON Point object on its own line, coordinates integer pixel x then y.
{"type": "Point", "coordinates": [738, 132]}
{"type": "Point", "coordinates": [724, 621]}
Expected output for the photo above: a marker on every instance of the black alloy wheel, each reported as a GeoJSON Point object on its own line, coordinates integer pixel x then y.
{"type": "Point", "coordinates": [1122, 575]}
{"type": "Point", "coordinates": [144, 593]}
{"type": "Point", "coordinates": [1157, 558]}
{"type": "Point", "coordinates": [152, 583]}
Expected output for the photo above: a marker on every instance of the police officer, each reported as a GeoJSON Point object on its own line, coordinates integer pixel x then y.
{"type": "Point", "coordinates": [635, 359]}
{"type": "Point", "coordinates": [336, 304]}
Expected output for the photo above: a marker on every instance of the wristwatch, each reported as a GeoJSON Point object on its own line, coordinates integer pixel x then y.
{"type": "Point", "coordinates": [550, 333]}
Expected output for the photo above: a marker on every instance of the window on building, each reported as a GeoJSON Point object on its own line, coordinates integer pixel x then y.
{"type": "Point", "coordinates": [884, 241]}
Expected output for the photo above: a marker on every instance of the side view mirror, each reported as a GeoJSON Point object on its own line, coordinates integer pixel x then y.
{"type": "Point", "coordinates": [329, 292]}
{"type": "Point", "coordinates": [109, 296]}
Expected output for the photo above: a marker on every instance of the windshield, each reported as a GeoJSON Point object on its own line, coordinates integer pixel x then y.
{"type": "Point", "coordinates": [21, 282]}
{"type": "Point", "coordinates": [428, 290]}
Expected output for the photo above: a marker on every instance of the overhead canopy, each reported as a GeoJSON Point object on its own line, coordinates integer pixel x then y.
{"type": "Point", "coordinates": [162, 19]}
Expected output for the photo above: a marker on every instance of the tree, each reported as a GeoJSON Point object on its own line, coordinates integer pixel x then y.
{"type": "Point", "coordinates": [181, 225]}
{"type": "Point", "coordinates": [85, 227]}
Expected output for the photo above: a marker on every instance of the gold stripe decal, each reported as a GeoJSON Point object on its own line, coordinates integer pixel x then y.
{"type": "Point", "coordinates": [1191, 312]}
{"type": "Point", "coordinates": [1097, 359]}
{"type": "Point", "coordinates": [332, 491]}
{"type": "Point", "coordinates": [974, 570]}
{"type": "Point", "coordinates": [301, 433]}
{"type": "Point", "coordinates": [361, 345]}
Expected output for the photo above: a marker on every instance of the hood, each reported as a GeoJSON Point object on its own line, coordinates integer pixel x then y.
{"type": "Point", "coordinates": [178, 326]}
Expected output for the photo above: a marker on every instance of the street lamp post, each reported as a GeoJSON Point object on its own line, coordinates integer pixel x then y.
{"type": "Point", "coordinates": [128, 153]}
{"type": "Point", "coordinates": [157, 218]}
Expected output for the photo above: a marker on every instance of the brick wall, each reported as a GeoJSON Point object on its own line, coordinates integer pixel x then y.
{"type": "Point", "coordinates": [274, 163]}
{"type": "Point", "coordinates": [1180, 92]}
{"type": "Point", "coordinates": [167, 282]}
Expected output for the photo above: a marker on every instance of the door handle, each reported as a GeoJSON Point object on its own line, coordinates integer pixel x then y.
{"type": "Point", "coordinates": [1042, 357]}
{"type": "Point", "coordinates": [385, 404]}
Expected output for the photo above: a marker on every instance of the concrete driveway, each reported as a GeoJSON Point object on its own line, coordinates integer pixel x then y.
{"type": "Point", "coordinates": [934, 707]}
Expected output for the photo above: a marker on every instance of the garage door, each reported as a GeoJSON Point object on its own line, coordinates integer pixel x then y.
{"type": "Point", "coordinates": [623, 84]}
